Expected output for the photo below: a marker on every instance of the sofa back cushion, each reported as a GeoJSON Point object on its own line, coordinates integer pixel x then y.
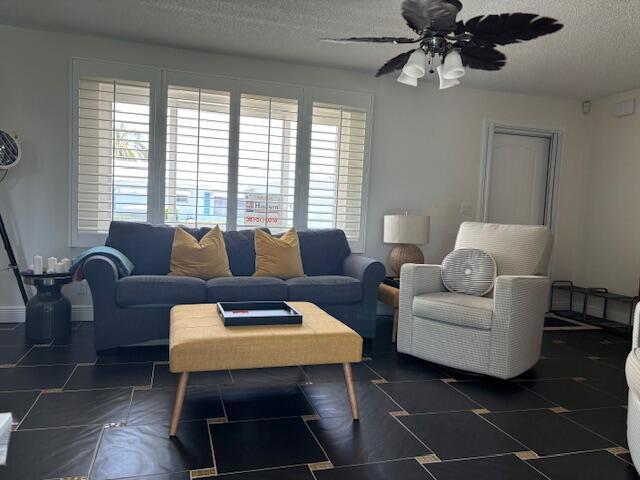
{"type": "Point", "coordinates": [241, 250]}
{"type": "Point", "coordinates": [149, 247]}
{"type": "Point", "coordinates": [323, 251]}
{"type": "Point", "coordinates": [517, 249]}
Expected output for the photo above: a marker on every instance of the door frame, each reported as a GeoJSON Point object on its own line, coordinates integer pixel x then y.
{"type": "Point", "coordinates": [555, 137]}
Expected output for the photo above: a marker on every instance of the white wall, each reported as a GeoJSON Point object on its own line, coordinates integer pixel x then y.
{"type": "Point", "coordinates": [610, 247]}
{"type": "Point", "coordinates": [425, 153]}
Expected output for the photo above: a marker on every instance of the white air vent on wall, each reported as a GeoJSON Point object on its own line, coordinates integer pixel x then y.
{"type": "Point", "coordinates": [624, 108]}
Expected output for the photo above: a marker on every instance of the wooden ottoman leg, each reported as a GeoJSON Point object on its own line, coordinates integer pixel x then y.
{"type": "Point", "coordinates": [348, 378]}
{"type": "Point", "coordinates": [177, 406]}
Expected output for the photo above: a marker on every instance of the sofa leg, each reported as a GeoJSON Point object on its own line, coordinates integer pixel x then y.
{"type": "Point", "coordinates": [348, 378]}
{"type": "Point", "coordinates": [177, 406]}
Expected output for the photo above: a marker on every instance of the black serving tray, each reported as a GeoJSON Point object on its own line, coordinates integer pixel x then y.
{"type": "Point", "coordinates": [236, 314]}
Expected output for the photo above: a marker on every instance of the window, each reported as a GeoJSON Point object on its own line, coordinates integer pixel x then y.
{"type": "Point", "coordinates": [267, 162]}
{"type": "Point", "coordinates": [113, 152]}
{"type": "Point", "coordinates": [185, 149]}
{"type": "Point", "coordinates": [336, 171]}
{"type": "Point", "coordinates": [197, 156]}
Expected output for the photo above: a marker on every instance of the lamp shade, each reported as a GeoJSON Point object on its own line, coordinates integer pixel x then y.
{"type": "Point", "coordinates": [407, 80]}
{"type": "Point", "coordinates": [453, 68]}
{"type": "Point", "coordinates": [416, 66]}
{"type": "Point", "coordinates": [408, 229]}
{"type": "Point", "coordinates": [444, 82]}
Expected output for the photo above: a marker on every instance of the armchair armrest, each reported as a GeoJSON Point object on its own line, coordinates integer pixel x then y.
{"type": "Point", "coordinates": [415, 279]}
{"type": "Point", "coordinates": [520, 303]}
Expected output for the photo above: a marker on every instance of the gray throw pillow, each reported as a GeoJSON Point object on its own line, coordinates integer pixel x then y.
{"type": "Point", "coordinates": [469, 270]}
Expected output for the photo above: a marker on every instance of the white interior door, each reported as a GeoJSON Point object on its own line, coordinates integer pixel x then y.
{"type": "Point", "coordinates": [518, 179]}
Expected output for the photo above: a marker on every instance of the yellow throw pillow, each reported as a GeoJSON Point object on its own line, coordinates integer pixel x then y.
{"type": "Point", "coordinates": [204, 259]}
{"type": "Point", "coordinates": [278, 257]}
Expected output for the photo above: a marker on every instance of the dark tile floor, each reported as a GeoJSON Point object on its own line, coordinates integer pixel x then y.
{"type": "Point", "coordinates": [106, 416]}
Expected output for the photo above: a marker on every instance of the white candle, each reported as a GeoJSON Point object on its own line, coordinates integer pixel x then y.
{"type": "Point", "coordinates": [37, 264]}
{"type": "Point", "coordinates": [60, 267]}
{"type": "Point", "coordinates": [51, 264]}
{"type": "Point", "coordinates": [67, 264]}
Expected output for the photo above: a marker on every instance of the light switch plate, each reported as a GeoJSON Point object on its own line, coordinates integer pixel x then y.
{"type": "Point", "coordinates": [466, 208]}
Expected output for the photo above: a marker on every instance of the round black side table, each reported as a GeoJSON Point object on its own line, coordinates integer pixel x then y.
{"type": "Point", "coordinates": [48, 312]}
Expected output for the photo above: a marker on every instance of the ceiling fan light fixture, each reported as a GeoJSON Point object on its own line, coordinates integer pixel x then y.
{"type": "Point", "coordinates": [446, 82]}
{"type": "Point", "coordinates": [408, 80]}
{"type": "Point", "coordinates": [453, 68]}
{"type": "Point", "coordinates": [416, 66]}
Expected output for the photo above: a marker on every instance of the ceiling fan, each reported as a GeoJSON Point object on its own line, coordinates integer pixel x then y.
{"type": "Point", "coordinates": [447, 45]}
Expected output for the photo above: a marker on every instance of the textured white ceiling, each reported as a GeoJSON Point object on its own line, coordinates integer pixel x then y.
{"type": "Point", "coordinates": [594, 55]}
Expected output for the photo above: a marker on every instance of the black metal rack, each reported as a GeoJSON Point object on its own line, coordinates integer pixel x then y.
{"type": "Point", "coordinates": [587, 294]}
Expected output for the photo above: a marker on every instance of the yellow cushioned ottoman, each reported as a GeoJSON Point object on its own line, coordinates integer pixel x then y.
{"type": "Point", "coordinates": [199, 341]}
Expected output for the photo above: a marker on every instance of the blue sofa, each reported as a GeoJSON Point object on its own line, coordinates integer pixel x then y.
{"type": "Point", "coordinates": [135, 309]}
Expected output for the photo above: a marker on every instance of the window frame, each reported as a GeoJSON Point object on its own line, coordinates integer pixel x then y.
{"type": "Point", "coordinates": [118, 71]}
{"type": "Point", "coordinates": [159, 80]}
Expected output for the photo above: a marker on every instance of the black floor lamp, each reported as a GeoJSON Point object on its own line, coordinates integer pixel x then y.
{"type": "Point", "coordinates": [9, 157]}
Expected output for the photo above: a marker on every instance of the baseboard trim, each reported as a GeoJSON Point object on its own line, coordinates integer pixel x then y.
{"type": "Point", "coordinates": [79, 313]}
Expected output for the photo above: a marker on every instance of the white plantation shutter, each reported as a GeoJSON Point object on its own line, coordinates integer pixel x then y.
{"type": "Point", "coordinates": [266, 162]}
{"type": "Point", "coordinates": [337, 168]}
{"type": "Point", "coordinates": [113, 131]}
{"type": "Point", "coordinates": [174, 147]}
{"type": "Point", "coordinates": [197, 156]}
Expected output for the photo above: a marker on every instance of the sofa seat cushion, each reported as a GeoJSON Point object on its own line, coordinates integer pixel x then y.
{"type": "Point", "coordinates": [159, 290]}
{"type": "Point", "coordinates": [455, 308]}
{"type": "Point", "coordinates": [245, 289]}
{"type": "Point", "coordinates": [330, 289]}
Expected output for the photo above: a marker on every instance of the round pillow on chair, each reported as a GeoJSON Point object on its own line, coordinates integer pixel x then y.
{"type": "Point", "coordinates": [469, 270]}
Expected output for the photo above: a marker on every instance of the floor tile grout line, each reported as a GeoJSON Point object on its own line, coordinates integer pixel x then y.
{"type": "Point", "coordinates": [253, 470]}
{"type": "Point", "coordinates": [397, 419]}
{"type": "Point", "coordinates": [560, 379]}
{"type": "Point", "coordinates": [526, 447]}
{"type": "Point", "coordinates": [133, 392]}
{"type": "Point", "coordinates": [75, 367]}
{"type": "Point", "coordinates": [310, 430]}
{"type": "Point", "coordinates": [23, 355]}
{"type": "Point", "coordinates": [29, 411]}
{"type": "Point", "coordinates": [224, 408]}
{"type": "Point", "coordinates": [213, 453]}
{"type": "Point", "coordinates": [95, 453]}
{"type": "Point", "coordinates": [589, 430]}
{"type": "Point", "coordinates": [390, 397]}
{"type": "Point", "coordinates": [365, 363]}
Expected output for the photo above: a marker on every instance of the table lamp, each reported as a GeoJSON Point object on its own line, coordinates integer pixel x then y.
{"type": "Point", "coordinates": [406, 231]}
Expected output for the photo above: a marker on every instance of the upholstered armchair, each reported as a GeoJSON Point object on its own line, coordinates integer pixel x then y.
{"type": "Point", "coordinates": [499, 334]}
{"type": "Point", "coordinates": [632, 371]}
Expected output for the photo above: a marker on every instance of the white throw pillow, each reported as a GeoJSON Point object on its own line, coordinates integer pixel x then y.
{"type": "Point", "coordinates": [469, 271]}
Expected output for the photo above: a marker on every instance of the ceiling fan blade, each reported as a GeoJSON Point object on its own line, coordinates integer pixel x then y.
{"type": "Point", "coordinates": [437, 15]}
{"type": "Point", "coordinates": [481, 58]}
{"type": "Point", "coordinates": [396, 63]}
{"type": "Point", "coordinates": [371, 40]}
{"type": "Point", "coordinates": [509, 28]}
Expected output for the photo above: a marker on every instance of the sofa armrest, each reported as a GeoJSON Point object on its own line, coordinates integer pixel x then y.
{"type": "Point", "coordinates": [415, 279]}
{"type": "Point", "coordinates": [520, 303]}
{"type": "Point", "coordinates": [370, 272]}
{"type": "Point", "coordinates": [367, 270]}
{"type": "Point", "coordinates": [102, 275]}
